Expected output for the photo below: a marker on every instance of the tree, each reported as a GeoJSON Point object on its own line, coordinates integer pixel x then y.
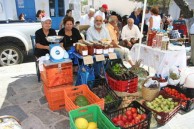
{"type": "Point", "coordinates": [184, 6]}
{"type": "Point", "coordinates": [163, 4]}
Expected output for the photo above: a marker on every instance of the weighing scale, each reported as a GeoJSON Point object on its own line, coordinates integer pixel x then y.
{"type": "Point", "coordinates": [56, 51]}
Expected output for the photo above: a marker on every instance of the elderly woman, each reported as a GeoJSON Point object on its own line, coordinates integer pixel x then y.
{"type": "Point", "coordinates": [71, 34]}
{"type": "Point", "coordinates": [42, 45]}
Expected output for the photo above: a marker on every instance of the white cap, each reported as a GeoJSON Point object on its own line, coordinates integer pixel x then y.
{"type": "Point", "coordinates": [92, 10]}
{"type": "Point", "coordinates": [45, 18]}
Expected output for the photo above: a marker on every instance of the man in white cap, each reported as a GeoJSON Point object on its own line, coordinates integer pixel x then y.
{"type": "Point", "coordinates": [88, 19]}
{"type": "Point", "coordinates": [42, 45]}
{"type": "Point", "coordinates": [101, 11]}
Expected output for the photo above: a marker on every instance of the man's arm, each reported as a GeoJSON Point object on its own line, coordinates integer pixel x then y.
{"type": "Point", "coordinates": [124, 38]}
{"type": "Point", "coordinates": [89, 35]}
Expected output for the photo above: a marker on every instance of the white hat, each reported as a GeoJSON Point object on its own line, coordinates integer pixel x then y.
{"type": "Point", "coordinates": [45, 18]}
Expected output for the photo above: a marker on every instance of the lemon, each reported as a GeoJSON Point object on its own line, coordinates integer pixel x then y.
{"type": "Point", "coordinates": [81, 123]}
{"type": "Point", "coordinates": [92, 125]}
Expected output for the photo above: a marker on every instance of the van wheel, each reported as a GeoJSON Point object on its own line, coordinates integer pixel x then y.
{"type": "Point", "coordinates": [10, 55]}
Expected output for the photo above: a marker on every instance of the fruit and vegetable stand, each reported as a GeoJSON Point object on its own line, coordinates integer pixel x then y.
{"type": "Point", "coordinates": [160, 60]}
{"type": "Point", "coordinates": [119, 98]}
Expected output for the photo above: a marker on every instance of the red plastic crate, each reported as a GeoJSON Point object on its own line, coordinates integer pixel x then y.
{"type": "Point", "coordinates": [55, 96]}
{"type": "Point", "coordinates": [56, 75]}
{"type": "Point", "coordinates": [129, 86]}
{"type": "Point", "coordinates": [72, 92]}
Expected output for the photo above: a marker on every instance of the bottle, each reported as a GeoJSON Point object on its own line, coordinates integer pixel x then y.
{"type": "Point", "coordinates": [165, 42]}
{"type": "Point", "coordinates": [154, 42]}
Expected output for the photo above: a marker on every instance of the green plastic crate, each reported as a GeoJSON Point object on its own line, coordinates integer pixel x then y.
{"type": "Point", "coordinates": [92, 113]}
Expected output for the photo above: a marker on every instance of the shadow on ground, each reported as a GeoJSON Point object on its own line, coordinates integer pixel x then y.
{"type": "Point", "coordinates": [25, 100]}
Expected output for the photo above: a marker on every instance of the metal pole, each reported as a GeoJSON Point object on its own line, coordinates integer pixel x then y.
{"type": "Point", "coordinates": [142, 24]}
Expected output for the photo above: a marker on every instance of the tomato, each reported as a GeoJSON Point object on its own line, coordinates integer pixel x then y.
{"type": "Point", "coordinates": [124, 118]}
{"type": "Point", "coordinates": [129, 118]}
{"type": "Point", "coordinates": [120, 123]}
{"type": "Point", "coordinates": [115, 119]}
{"type": "Point", "coordinates": [128, 113]}
{"type": "Point", "coordinates": [143, 116]}
{"type": "Point", "coordinates": [133, 110]}
{"type": "Point", "coordinates": [134, 115]}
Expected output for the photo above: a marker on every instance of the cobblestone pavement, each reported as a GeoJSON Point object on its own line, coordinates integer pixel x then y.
{"type": "Point", "coordinates": [22, 96]}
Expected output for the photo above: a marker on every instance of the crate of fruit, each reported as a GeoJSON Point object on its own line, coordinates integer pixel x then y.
{"type": "Point", "coordinates": [187, 103]}
{"type": "Point", "coordinates": [163, 107]}
{"type": "Point", "coordinates": [134, 116]}
{"type": "Point", "coordinates": [79, 96]}
{"type": "Point", "coordinates": [89, 117]}
{"type": "Point", "coordinates": [102, 90]}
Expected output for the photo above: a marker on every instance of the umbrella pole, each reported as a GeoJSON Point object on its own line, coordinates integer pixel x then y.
{"type": "Point", "coordinates": [142, 25]}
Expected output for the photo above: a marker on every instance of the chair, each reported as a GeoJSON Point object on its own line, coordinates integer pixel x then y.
{"type": "Point", "coordinates": [36, 62]}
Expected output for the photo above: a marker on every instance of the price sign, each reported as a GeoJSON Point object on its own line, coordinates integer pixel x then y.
{"type": "Point", "coordinates": [88, 60]}
{"type": "Point", "coordinates": [112, 56]}
{"type": "Point", "coordinates": [99, 58]}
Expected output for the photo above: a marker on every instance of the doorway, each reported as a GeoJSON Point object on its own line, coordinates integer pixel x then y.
{"type": "Point", "coordinates": [57, 12]}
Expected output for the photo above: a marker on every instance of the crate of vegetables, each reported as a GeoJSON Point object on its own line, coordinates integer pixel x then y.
{"type": "Point", "coordinates": [134, 116]}
{"type": "Point", "coordinates": [89, 117]}
{"type": "Point", "coordinates": [163, 107]}
{"type": "Point", "coordinates": [116, 70]}
{"type": "Point", "coordinates": [187, 103]}
{"type": "Point", "coordinates": [102, 90]}
{"type": "Point", "coordinates": [79, 96]}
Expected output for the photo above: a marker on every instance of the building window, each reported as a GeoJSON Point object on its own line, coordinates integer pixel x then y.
{"type": "Point", "coordinates": [61, 7]}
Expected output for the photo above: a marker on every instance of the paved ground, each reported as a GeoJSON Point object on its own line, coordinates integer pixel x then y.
{"type": "Point", "coordinates": [22, 96]}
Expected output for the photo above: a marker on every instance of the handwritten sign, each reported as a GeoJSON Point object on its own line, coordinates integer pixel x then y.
{"type": "Point", "coordinates": [88, 60]}
{"type": "Point", "coordinates": [99, 58]}
{"type": "Point", "coordinates": [112, 56]}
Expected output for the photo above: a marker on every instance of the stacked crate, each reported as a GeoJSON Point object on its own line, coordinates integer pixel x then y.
{"type": "Point", "coordinates": [55, 78]}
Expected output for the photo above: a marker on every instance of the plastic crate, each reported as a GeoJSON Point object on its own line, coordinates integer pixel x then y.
{"type": "Point", "coordinates": [126, 74]}
{"type": "Point", "coordinates": [162, 117]}
{"type": "Point", "coordinates": [93, 85]}
{"type": "Point", "coordinates": [189, 103]}
{"type": "Point", "coordinates": [145, 124]}
{"type": "Point", "coordinates": [72, 92]}
{"type": "Point", "coordinates": [55, 75]}
{"type": "Point", "coordinates": [55, 97]}
{"type": "Point", "coordinates": [92, 113]}
{"type": "Point", "coordinates": [129, 86]}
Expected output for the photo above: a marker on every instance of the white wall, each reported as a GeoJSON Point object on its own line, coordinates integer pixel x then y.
{"type": "Point", "coordinates": [42, 5]}
{"type": "Point", "coordinates": [2, 11]}
{"type": "Point", "coordinates": [122, 7]}
{"type": "Point", "coordinates": [8, 10]}
{"type": "Point", "coordinates": [174, 14]}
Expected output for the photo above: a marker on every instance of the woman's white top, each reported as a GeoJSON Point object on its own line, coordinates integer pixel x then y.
{"type": "Point", "coordinates": [156, 22]}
